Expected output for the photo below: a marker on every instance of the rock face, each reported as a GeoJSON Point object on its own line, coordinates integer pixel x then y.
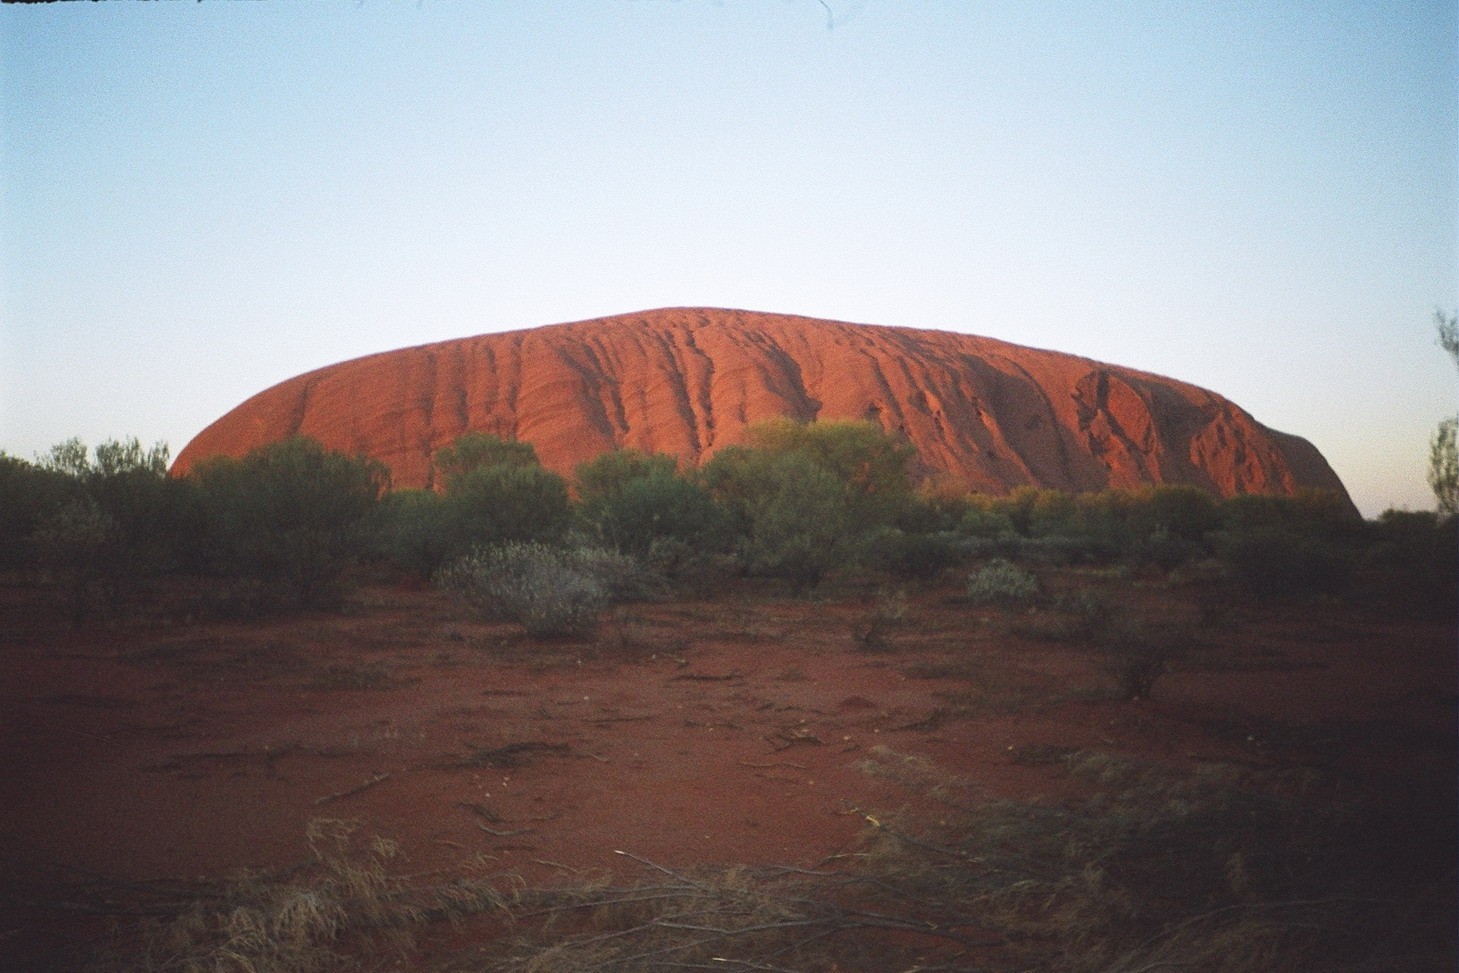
{"type": "Point", "coordinates": [687, 381]}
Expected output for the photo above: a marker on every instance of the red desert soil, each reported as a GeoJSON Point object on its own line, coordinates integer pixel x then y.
{"type": "Point", "coordinates": [690, 731]}
{"type": "Point", "coordinates": [687, 381]}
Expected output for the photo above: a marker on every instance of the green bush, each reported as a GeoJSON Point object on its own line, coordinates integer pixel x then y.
{"type": "Point", "coordinates": [632, 508]}
{"type": "Point", "coordinates": [505, 503]}
{"type": "Point", "coordinates": [475, 451]}
{"type": "Point", "coordinates": [802, 499]}
{"type": "Point", "coordinates": [986, 524]}
{"type": "Point", "coordinates": [152, 522]}
{"type": "Point", "coordinates": [290, 515]}
{"type": "Point", "coordinates": [81, 547]}
{"type": "Point", "coordinates": [1165, 550]}
{"type": "Point", "coordinates": [1184, 513]}
{"type": "Point", "coordinates": [412, 529]}
{"type": "Point", "coordinates": [1089, 616]}
{"type": "Point", "coordinates": [1002, 583]}
{"type": "Point", "coordinates": [30, 495]}
{"type": "Point", "coordinates": [920, 557]}
{"type": "Point", "coordinates": [1135, 671]}
{"type": "Point", "coordinates": [1316, 514]}
{"type": "Point", "coordinates": [872, 466]}
{"type": "Point", "coordinates": [1272, 562]}
{"type": "Point", "coordinates": [1062, 550]}
{"type": "Point", "coordinates": [605, 475]}
{"type": "Point", "coordinates": [1411, 560]}
{"type": "Point", "coordinates": [801, 525]}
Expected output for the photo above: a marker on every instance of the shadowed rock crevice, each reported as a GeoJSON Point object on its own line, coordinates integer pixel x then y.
{"type": "Point", "coordinates": [687, 381]}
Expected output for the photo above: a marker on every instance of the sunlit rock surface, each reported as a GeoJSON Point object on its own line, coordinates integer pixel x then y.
{"type": "Point", "coordinates": [687, 381]}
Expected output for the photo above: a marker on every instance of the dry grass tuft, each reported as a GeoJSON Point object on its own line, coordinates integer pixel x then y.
{"type": "Point", "coordinates": [1222, 870]}
{"type": "Point", "coordinates": [342, 905]}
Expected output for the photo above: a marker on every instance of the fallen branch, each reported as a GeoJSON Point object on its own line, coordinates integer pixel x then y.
{"type": "Point", "coordinates": [337, 795]}
{"type": "Point", "coordinates": [504, 834]}
{"type": "Point", "coordinates": [730, 676]}
{"type": "Point", "coordinates": [771, 765]}
{"type": "Point", "coordinates": [511, 755]}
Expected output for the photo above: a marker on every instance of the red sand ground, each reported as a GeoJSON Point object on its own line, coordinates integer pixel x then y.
{"type": "Point", "coordinates": [691, 731]}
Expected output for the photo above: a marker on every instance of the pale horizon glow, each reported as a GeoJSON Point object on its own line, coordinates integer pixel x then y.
{"type": "Point", "coordinates": [198, 201]}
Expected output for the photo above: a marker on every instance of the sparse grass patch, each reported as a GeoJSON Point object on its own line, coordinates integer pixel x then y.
{"type": "Point", "coordinates": [342, 906]}
{"type": "Point", "coordinates": [1159, 869]}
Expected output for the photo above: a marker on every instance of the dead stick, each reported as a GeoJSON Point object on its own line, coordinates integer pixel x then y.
{"type": "Point", "coordinates": [772, 764]}
{"type": "Point", "coordinates": [353, 790]}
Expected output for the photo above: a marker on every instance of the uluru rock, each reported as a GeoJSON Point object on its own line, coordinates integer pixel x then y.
{"type": "Point", "coordinates": [688, 381]}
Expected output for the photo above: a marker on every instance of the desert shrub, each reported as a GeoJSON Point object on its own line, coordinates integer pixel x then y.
{"type": "Point", "coordinates": [689, 566]}
{"type": "Point", "coordinates": [1110, 515]}
{"type": "Point", "coordinates": [604, 475]}
{"type": "Point", "coordinates": [927, 512]}
{"type": "Point", "coordinates": [801, 526]}
{"type": "Point", "coordinates": [621, 575]}
{"type": "Point", "coordinates": [871, 465]}
{"type": "Point", "coordinates": [494, 492]}
{"type": "Point", "coordinates": [1163, 525]}
{"type": "Point", "coordinates": [1087, 615]}
{"type": "Point", "coordinates": [506, 502]}
{"type": "Point", "coordinates": [475, 451]}
{"type": "Point", "coordinates": [1062, 550]}
{"type": "Point", "coordinates": [1052, 513]}
{"type": "Point", "coordinates": [872, 633]}
{"type": "Point", "coordinates": [1317, 514]}
{"type": "Point", "coordinates": [1056, 528]}
{"type": "Point", "coordinates": [631, 513]}
{"type": "Point", "coordinates": [1281, 563]}
{"type": "Point", "coordinates": [152, 522]}
{"type": "Point", "coordinates": [792, 517]}
{"type": "Point", "coordinates": [1218, 870]}
{"type": "Point", "coordinates": [802, 497]}
{"type": "Point", "coordinates": [1133, 657]}
{"type": "Point", "coordinates": [30, 495]}
{"type": "Point", "coordinates": [1221, 869]}
{"type": "Point", "coordinates": [1002, 583]}
{"type": "Point", "coordinates": [1183, 512]}
{"type": "Point", "coordinates": [1008, 548]}
{"type": "Point", "coordinates": [345, 903]}
{"type": "Point", "coordinates": [412, 529]}
{"type": "Point", "coordinates": [291, 515]}
{"type": "Point", "coordinates": [1131, 654]}
{"type": "Point", "coordinates": [986, 523]}
{"type": "Point", "coordinates": [81, 547]}
{"type": "Point", "coordinates": [1165, 550]}
{"type": "Point", "coordinates": [1411, 559]}
{"type": "Point", "coordinates": [920, 557]}
{"type": "Point", "coordinates": [549, 591]}
{"type": "Point", "coordinates": [1135, 672]}
{"type": "Point", "coordinates": [160, 518]}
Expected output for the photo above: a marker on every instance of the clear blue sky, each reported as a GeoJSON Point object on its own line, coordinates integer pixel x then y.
{"type": "Point", "coordinates": [200, 200]}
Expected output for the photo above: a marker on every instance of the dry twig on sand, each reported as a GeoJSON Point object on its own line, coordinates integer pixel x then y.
{"type": "Point", "coordinates": [351, 792]}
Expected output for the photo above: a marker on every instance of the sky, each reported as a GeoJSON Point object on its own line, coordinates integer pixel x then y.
{"type": "Point", "coordinates": [200, 200]}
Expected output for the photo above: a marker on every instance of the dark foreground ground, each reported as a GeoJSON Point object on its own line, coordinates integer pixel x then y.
{"type": "Point", "coordinates": [147, 763]}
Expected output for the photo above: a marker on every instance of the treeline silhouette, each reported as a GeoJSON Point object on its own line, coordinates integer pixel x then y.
{"type": "Point", "coordinates": [287, 525]}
